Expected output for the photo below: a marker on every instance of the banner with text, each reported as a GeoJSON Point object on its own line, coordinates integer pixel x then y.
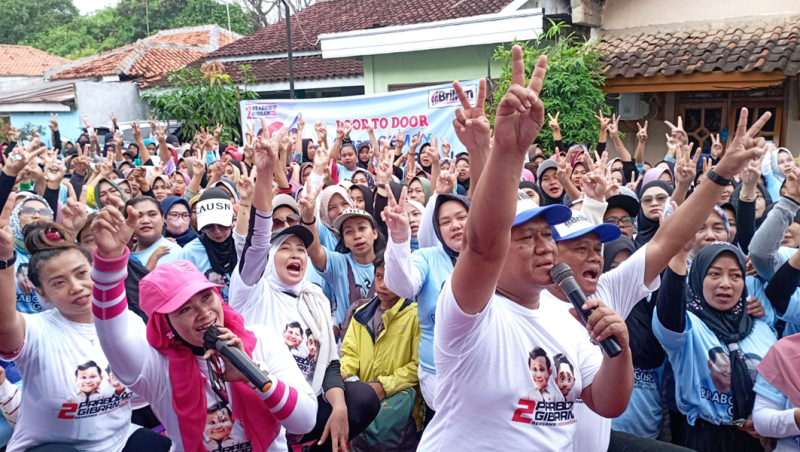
{"type": "Point", "coordinates": [429, 110]}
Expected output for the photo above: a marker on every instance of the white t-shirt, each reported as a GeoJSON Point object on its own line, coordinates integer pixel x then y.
{"type": "Point", "coordinates": [280, 314]}
{"type": "Point", "coordinates": [620, 289]}
{"type": "Point", "coordinates": [68, 396]}
{"type": "Point", "coordinates": [154, 385]}
{"type": "Point", "coordinates": [489, 384]}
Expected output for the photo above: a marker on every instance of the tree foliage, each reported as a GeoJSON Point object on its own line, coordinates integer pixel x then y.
{"type": "Point", "coordinates": [197, 99]}
{"type": "Point", "coordinates": [572, 85]}
{"type": "Point", "coordinates": [21, 20]}
{"type": "Point", "coordinates": [113, 27]}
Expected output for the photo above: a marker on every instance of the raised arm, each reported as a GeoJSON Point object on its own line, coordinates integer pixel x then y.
{"type": "Point", "coordinates": [144, 153]}
{"type": "Point", "coordinates": [520, 117]}
{"type": "Point", "coordinates": [12, 323]}
{"type": "Point", "coordinates": [746, 210]}
{"type": "Point", "coordinates": [694, 212]}
{"type": "Point", "coordinates": [401, 276]}
{"type": "Point", "coordinates": [685, 172]}
{"type": "Point", "coordinates": [474, 132]}
{"type": "Point", "coordinates": [564, 175]}
{"type": "Point", "coordinates": [307, 201]}
{"type": "Point", "coordinates": [613, 131]}
{"type": "Point", "coordinates": [641, 141]}
{"type": "Point", "coordinates": [56, 133]}
{"type": "Point", "coordinates": [123, 347]}
{"type": "Point", "coordinates": [256, 250]}
{"type": "Point", "coordinates": [671, 302]}
{"type": "Point", "coordinates": [163, 151]}
{"type": "Point", "coordinates": [767, 239]}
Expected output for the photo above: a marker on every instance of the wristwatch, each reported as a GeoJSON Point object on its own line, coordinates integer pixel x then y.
{"type": "Point", "coordinates": [8, 263]}
{"type": "Point", "coordinates": [717, 179]}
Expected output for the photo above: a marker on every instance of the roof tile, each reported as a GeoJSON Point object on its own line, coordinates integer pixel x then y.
{"type": "Point", "coordinates": [757, 47]}
{"type": "Point", "coordinates": [26, 61]}
{"type": "Point", "coordinates": [338, 16]}
{"type": "Point", "coordinates": [151, 57]}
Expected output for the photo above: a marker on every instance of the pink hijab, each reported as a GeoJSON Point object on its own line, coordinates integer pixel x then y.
{"type": "Point", "coordinates": [188, 386]}
{"type": "Point", "coordinates": [780, 367]}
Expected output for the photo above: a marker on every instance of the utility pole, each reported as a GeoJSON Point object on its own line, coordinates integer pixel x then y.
{"type": "Point", "coordinates": [289, 47]}
{"type": "Point", "coordinates": [147, 15]}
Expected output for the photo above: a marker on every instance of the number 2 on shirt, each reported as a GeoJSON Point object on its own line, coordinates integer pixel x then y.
{"type": "Point", "coordinates": [528, 406]}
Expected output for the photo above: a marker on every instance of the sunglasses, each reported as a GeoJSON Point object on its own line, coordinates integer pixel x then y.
{"type": "Point", "coordinates": [32, 211]}
{"type": "Point", "coordinates": [217, 227]}
{"type": "Point", "coordinates": [660, 199]}
{"type": "Point", "coordinates": [290, 220]}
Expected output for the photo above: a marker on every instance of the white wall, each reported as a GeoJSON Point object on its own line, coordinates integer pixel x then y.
{"type": "Point", "coordinates": [9, 83]}
{"type": "Point", "coordinates": [98, 100]}
{"type": "Point", "coordinates": [640, 13]}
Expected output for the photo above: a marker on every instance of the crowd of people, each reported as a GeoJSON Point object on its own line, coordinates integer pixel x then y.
{"type": "Point", "coordinates": [398, 297]}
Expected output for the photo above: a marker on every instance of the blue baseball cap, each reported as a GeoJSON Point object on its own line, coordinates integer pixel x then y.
{"type": "Point", "coordinates": [527, 209]}
{"type": "Point", "coordinates": [578, 226]}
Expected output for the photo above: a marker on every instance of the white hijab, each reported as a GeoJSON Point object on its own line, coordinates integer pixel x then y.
{"type": "Point", "coordinates": [314, 308]}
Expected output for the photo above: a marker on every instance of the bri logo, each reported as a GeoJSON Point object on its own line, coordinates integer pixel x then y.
{"type": "Point", "coordinates": [447, 97]}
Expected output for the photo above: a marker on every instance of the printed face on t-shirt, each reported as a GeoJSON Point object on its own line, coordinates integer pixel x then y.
{"type": "Point", "coordinates": [88, 380]}
{"type": "Point", "coordinates": [293, 336]}
{"type": "Point", "coordinates": [311, 343]}
{"type": "Point", "coordinates": [539, 371]}
{"type": "Point", "coordinates": [218, 425]}
{"type": "Point", "coordinates": [721, 372]}
{"type": "Point", "coordinates": [114, 382]}
{"type": "Point", "coordinates": [566, 380]}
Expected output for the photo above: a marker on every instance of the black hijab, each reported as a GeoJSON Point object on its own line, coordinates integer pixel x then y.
{"type": "Point", "coordinates": [764, 192]}
{"type": "Point", "coordinates": [369, 205]}
{"type": "Point", "coordinates": [306, 143]}
{"type": "Point", "coordinates": [645, 348]}
{"type": "Point", "coordinates": [546, 198]}
{"type": "Point", "coordinates": [466, 183]}
{"type": "Point", "coordinates": [441, 199]}
{"type": "Point", "coordinates": [427, 169]}
{"type": "Point", "coordinates": [221, 255]}
{"type": "Point", "coordinates": [359, 163]}
{"type": "Point", "coordinates": [730, 327]}
{"type": "Point", "coordinates": [647, 228]}
{"type": "Point", "coordinates": [534, 187]}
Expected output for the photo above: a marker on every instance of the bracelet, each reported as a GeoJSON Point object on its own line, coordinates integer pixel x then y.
{"type": "Point", "coordinates": [303, 222]}
{"type": "Point", "coordinates": [717, 179]}
{"type": "Point", "coordinates": [744, 198]}
{"type": "Point", "coordinates": [8, 263]}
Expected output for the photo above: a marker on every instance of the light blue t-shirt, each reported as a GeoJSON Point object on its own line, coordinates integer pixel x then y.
{"type": "Point", "coordinates": [755, 288]}
{"type": "Point", "coordinates": [434, 266]}
{"type": "Point", "coordinates": [774, 185]}
{"type": "Point", "coordinates": [344, 173]}
{"type": "Point", "coordinates": [195, 253]}
{"type": "Point", "coordinates": [144, 255]}
{"type": "Point", "coordinates": [335, 274]}
{"type": "Point", "coordinates": [26, 303]}
{"type": "Point", "coordinates": [643, 415]}
{"type": "Point", "coordinates": [327, 238]}
{"type": "Point", "coordinates": [765, 389]}
{"type": "Point", "coordinates": [696, 391]}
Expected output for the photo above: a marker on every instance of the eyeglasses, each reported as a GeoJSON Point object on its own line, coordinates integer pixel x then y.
{"type": "Point", "coordinates": [290, 220]}
{"type": "Point", "coordinates": [179, 216]}
{"type": "Point", "coordinates": [660, 199]}
{"type": "Point", "coordinates": [43, 212]}
{"type": "Point", "coordinates": [624, 221]}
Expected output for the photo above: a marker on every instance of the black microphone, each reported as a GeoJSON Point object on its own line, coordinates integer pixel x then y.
{"type": "Point", "coordinates": [563, 276]}
{"type": "Point", "coordinates": [237, 358]}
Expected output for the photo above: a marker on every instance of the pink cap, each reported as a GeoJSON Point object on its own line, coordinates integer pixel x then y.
{"type": "Point", "coordinates": [169, 286]}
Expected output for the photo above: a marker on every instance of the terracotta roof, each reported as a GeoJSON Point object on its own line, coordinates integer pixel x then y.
{"type": "Point", "coordinates": [338, 16]}
{"type": "Point", "coordinates": [277, 69]}
{"type": "Point", "coordinates": [151, 57]}
{"type": "Point", "coordinates": [757, 46]}
{"type": "Point", "coordinates": [24, 60]}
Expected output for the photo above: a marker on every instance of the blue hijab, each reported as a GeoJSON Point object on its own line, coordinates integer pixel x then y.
{"type": "Point", "coordinates": [187, 236]}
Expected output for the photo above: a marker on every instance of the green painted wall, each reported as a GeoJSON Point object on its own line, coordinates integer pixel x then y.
{"type": "Point", "coordinates": [428, 66]}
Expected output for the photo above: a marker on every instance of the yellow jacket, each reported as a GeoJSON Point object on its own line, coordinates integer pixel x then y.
{"type": "Point", "coordinates": [391, 359]}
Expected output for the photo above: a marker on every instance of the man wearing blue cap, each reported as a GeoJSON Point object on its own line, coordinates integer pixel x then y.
{"type": "Point", "coordinates": [492, 336]}
{"type": "Point", "coordinates": [580, 245]}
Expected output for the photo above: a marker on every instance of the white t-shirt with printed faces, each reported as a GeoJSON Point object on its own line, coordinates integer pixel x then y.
{"type": "Point", "coordinates": [620, 289]}
{"type": "Point", "coordinates": [221, 432]}
{"type": "Point", "coordinates": [498, 381]}
{"type": "Point", "coordinates": [70, 395]}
